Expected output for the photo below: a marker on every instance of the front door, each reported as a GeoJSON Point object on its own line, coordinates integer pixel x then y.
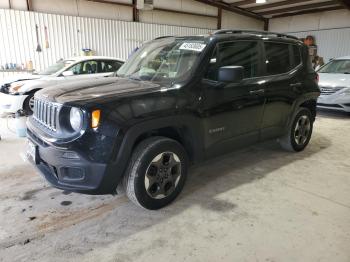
{"type": "Point", "coordinates": [232, 112]}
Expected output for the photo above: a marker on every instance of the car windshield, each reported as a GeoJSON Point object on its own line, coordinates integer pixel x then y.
{"type": "Point", "coordinates": [336, 67]}
{"type": "Point", "coordinates": [56, 67]}
{"type": "Point", "coordinates": [164, 61]}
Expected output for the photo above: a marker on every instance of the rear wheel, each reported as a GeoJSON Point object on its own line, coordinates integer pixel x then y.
{"type": "Point", "coordinates": [299, 133]}
{"type": "Point", "coordinates": [157, 172]}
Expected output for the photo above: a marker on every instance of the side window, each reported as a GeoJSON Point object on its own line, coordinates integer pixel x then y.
{"type": "Point", "coordinates": [296, 56]}
{"type": "Point", "coordinates": [76, 69]}
{"type": "Point", "coordinates": [89, 67]}
{"type": "Point", "coordinates": [277, 58]}
{"type": "Point", "coordinates": [107, 66]}
{"type": "Point", "coordinates": [240, 53]}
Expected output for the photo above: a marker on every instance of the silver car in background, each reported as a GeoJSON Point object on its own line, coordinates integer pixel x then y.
{"type": "Point", "coordinates": [334, 84]}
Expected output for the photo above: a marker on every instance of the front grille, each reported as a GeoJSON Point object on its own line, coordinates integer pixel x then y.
{"type": "Point", "coordinates": [46, 114]}
{"type": "Point", "coordinates": [329, 90]}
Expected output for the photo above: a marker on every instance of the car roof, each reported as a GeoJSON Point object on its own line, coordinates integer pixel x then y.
{"type": "Point", "coordinates": [83, 58]}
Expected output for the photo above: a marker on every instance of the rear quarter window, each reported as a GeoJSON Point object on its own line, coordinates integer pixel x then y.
{"type": "Point", "coordinates": [278, 59]}
{"type": "Point", "coordinates": [296, 56]}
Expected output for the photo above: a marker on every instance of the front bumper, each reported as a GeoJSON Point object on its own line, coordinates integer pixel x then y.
{"type": "Point", "coordinates": [10, 104]}
{"type": "Point", "coordinates": [68, 169]}
{"type": "Point", "coordinates": [338, 102]}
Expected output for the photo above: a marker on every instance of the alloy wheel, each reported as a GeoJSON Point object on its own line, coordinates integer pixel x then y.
{"type": "Point", "coordinates": [163, 175]}
{"type": "Point", "coordinates": [302, 130]}
{"type": "Point", "coordinates": [31, 103]}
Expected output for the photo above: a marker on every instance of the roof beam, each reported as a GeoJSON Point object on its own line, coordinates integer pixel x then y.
{"type": "Point", "coordinates": [298, 8]}
{"type": "Point", "coordinates": [219, 22]}
{"type": "Point", "coordinates": [110, 2]}
{"type": "Point", "coordinates": [29, 5]}
{"type": "Point", "coordinates": [345, 3]}
{"type": "Point", "coordinates": [136, 11]}
{"type": "Point", "coordinates": [230, 8]}
{"type": "Point", "coordinates": [276, 4]}
{"type": "Point", "coordinates": [309, 11]}
{"type": "Point", "coordinates": [245, 2]}
{"type": "Point", "coordinates": [266, 24]}
{"type": "Point", "coordinates": [183, 12]}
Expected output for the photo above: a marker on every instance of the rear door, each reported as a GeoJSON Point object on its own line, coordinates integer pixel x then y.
{"type": "Point", "coordinates": [232, 112]}
{"type": "Point", "coordinates": [283, 85]}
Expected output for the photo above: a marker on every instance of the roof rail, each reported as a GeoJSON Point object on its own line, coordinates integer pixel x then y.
{"type": "Point", "coordinates": [239, 31]}
{"type": "Point", "coordinates": [166, 36]}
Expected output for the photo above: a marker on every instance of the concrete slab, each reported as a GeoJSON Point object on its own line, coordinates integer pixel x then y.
{"type": "Point", "coordinates": [257, 204]}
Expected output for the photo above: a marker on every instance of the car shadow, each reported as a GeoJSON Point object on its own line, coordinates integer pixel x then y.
{"type": "Point", "coordinates": [243, 167]}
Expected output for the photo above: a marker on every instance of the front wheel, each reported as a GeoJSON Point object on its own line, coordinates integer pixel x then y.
{"type": "Point", "coordinates": [157, 172]}
{"type": "Point", "coordinates": [299, 133]}
{"type": "Point", "coordinates": [28, 104]}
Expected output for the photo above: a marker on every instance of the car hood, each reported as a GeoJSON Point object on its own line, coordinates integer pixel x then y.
{"type": "Point", "coordinates": [334, 80]}
{"type": "Point", "coordinates": [47, 81]}
{"type": "Point", "coordinates": [92, 90]}
{"type": "Point", "coordinates": [19, 77]}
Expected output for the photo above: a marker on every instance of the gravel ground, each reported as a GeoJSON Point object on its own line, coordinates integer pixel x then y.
{"type": "Point", "coordinates": [256, 204]}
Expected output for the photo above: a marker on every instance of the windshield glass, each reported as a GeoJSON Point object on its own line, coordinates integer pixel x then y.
{"type": "Point", "coordinates": [163, 61]}
{"type": "Point", "coordinates": [56, 67]}
{"type": "Point", "coordinates": [336, 67]}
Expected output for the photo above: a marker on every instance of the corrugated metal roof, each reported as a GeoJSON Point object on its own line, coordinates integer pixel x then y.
{"type": "Point", "coordinates": [279, 8]}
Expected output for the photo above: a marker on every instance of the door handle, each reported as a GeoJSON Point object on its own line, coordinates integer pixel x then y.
{"type": "Point", "coordinates": [257, 92]}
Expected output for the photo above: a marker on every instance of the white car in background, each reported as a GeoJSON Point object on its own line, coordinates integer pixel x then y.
{"type": "Point", "coordinates": [334, 84]}
{"type": "Point", "coordinates": [18, 93]}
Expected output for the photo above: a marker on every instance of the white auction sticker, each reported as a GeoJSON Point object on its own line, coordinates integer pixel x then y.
{"type": "Point", "coordinates": [198, 47]}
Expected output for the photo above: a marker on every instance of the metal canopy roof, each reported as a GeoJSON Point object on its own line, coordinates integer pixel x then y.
{"type": "Point", "coordinates": [277, 8]}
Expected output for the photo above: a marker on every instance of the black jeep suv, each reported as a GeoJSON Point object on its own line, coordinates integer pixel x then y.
{"type": "Point", "coordinates": [176, 101]}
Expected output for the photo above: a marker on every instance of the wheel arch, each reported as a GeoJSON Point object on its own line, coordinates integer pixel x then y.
{"type": "Point", "coordinates": [32, 91]}
{"type": "Point", "coordinates": [308, 101]}
{"type": "Point", "coordinates": [182, 134]}
{"type": "Point", "coordinates": [28, 94]}
{"type": "Point", "coordinates": [184, 129]}
{"type": "Point", "coordinates": [311, 105]}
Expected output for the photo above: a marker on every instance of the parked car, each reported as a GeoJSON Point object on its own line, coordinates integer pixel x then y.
{"type": "Point", "coordinates": [335, 85]}
{"type": "Point", "coordinates": [18, 93]}
{"type": "Point", "coordinates": [177, 101]}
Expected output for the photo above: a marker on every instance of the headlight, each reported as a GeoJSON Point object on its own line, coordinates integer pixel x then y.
{"type": "Point", "coordinates": [76, 118]}
{"type": "Point", "coordinates": [15, 87]}
{"type": "Point", "coordinates": [346, 91]}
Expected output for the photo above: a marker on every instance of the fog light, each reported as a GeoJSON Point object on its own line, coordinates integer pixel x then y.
{"type": "Point", "coordinates": [72, 173]}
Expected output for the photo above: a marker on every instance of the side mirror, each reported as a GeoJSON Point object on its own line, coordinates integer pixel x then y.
{"type": "Point", "coordinates": [232, 74]}
{"type": "Point", "coordinates": [68, 73]}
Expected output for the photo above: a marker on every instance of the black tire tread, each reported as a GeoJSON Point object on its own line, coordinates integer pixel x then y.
{"type": "Point", "coordinates": [140, 151]}
{"type": "Point", "coordinates": [285, 141]}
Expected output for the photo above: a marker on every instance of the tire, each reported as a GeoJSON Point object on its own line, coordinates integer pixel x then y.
{"type": "Point", "coordinates": [27, 104]}
{"type": "Point", "coordinates": [163, 163]}
{"type": "Point", "coordinates": [302, 124]}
